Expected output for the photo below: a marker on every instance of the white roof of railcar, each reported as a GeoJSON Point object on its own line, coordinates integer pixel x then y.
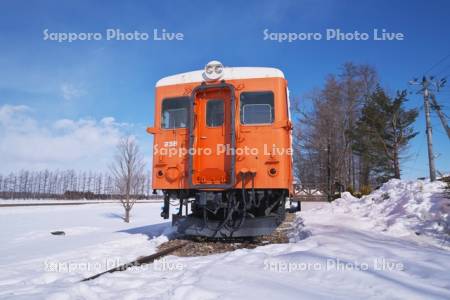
{"type": "Point", "coordinates": [229, 74]}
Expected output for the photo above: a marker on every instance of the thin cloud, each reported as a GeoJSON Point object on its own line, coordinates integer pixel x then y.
{"type": "Point", "coordinates": [28, 143]}
{"type": "Point", "coordinates": [69, 91]}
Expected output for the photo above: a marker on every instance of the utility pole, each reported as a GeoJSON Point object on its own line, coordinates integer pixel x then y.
{"type": "Point", "coordinates": [429, 130]}
{"type": "Point", "coordinates": [426, 95]}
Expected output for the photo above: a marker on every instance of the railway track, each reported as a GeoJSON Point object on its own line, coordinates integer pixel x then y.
{"type": "Point", "coordinates": [138, 262]}
{"type": "Point", "coordinates": [204, 246]}
{"type": "Point", "coordinates": [183, 246]}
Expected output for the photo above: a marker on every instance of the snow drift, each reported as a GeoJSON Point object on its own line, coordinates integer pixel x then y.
{"type": "Point", "coordinates": [402, 208]}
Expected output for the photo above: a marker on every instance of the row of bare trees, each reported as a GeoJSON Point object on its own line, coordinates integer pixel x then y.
{"type": "Point", "coordinates": [67, 184]}
{"type": "Point", "coordinates": [127, 181]}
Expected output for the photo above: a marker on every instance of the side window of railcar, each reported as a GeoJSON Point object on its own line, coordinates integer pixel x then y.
{"type": "Point", "coordinates": [214, 113]}
{"type": "Point", "coordinates": [175, 113]}
{"type": "Point", "coordinates": [257, 107]}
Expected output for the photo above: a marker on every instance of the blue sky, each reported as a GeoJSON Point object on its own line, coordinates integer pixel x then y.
{"type": "Point", "coordinates": [45, 82]}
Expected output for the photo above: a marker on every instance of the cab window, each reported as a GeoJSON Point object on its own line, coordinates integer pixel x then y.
{"type": "Point", "coordinates": [175, 113]}
{"type": "Point", "coordinates": [214, 113]}
{"type": "Point", "coordinates": [257, 107]}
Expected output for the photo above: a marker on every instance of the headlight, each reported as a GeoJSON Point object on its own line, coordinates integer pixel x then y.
{"type": "Point", "coordinates": [218, 69]}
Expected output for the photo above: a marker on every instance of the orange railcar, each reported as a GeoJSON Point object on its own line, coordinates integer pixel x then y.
{"type": "Point", "coordinates": [222, 143]}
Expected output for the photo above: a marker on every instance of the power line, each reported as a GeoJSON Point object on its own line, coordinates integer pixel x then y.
{"type": "Point", "coordinates": [445, 69]}
{"type": "Point", "coordinates": [442, 116]}
{"type": "Point", "coordinates": [437, 63]}
{"type": "Point", "coordinates": [425, 90]}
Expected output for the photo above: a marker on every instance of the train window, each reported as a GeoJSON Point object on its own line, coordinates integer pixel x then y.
{"type": "Point", "coordinates": [257, 108]}
{"type": "Point", "coordinates": [214, 113]}
{"type": "Point", "coordinates": [175, 113]}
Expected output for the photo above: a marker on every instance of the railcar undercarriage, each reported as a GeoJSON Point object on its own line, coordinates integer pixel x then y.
{"type": "Point", "coordinates": [225, 214]}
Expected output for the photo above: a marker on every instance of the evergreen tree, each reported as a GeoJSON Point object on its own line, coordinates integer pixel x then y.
{"type": "Point", "coordinates": [382, 132]}
{"type": "Point", "coordinates": [400, 130]}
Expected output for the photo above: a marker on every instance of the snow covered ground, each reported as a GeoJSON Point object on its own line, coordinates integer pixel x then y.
{"type": "Point", "coordinates": [59, 201]}
{"type": "Point", "coordinates": [350, 249]}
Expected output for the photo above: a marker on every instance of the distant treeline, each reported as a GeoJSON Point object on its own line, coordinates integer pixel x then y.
{"type": "Point", "coordinates": [67, 184]}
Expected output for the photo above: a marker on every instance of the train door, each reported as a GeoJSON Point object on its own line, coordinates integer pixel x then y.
{"type": "Point", "coordinates": [212, 135]}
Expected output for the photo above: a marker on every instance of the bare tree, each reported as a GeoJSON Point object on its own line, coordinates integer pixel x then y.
{"type": "Point", "coordinates": [148, 184]}
{"type": "Point", "coordinates": [127, 169]}
{"type": "Point", "coordinates": [322, 140]}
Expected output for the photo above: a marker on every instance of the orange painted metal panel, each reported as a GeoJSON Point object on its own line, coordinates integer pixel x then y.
{"type": "Point", "coordinates": [264, 149]}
